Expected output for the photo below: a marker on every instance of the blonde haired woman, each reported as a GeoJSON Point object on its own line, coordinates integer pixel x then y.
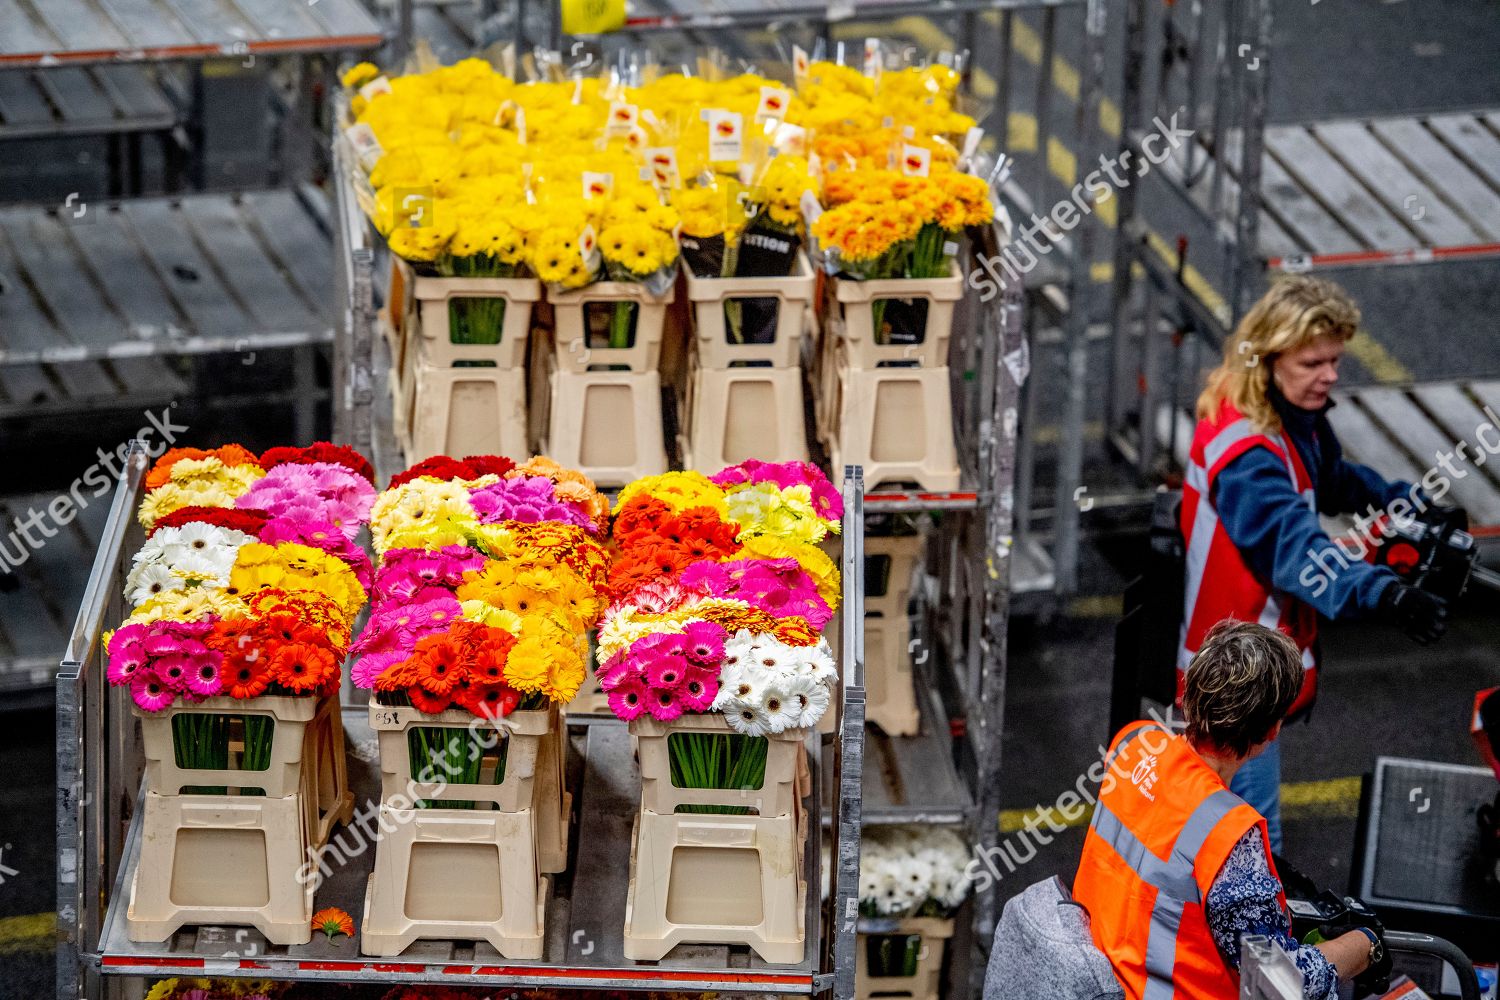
{"type": "Point", "coordinates": [1264, 463]}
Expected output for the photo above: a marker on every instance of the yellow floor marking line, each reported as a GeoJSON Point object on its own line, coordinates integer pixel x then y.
{"type": "Point", "coordinates": [1378, 360]}
{"type": "Point", "coordinates": [1329, 799]}
{"type": "Point", "coordinates": [32, 932]}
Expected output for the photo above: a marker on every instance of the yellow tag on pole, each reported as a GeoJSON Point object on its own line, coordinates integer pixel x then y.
{"type": "Point", "coordinates": [592, 17]}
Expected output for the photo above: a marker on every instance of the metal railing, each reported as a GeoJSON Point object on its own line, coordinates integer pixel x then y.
{"type": "Point", "coordinates": [1174, 301]}
{"type": "Point", "coordinates": [98, 758]}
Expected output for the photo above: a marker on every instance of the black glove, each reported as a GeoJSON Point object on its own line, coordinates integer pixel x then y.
{"type": "Point", "coordinates": [1445, 517]}
{"type": "Point", "coordinates": [1420, 615]}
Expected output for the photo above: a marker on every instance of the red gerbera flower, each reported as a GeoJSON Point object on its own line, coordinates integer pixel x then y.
{"type": "Point", "coordinates": [319, 451]}
{"type": "Point", "coordinates": [487, 465]}
{"type": "Point", "coordinates": [425, 701]}
{"type": "Point", "coordinates": [248, 521]}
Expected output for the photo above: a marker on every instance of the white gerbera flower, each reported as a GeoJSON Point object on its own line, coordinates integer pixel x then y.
{"type": "Point", "coordinates": [748, 719]}
{"type": "Point", "coordinates": [149, 580]}
{"type": "Point", "coordinates": [809, 698]}
{"type": "Point", "coordinates": [212, 569]}
{"type": "Point", "coordinates": [782, 710]}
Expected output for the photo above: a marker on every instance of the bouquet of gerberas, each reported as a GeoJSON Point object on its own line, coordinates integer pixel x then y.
{"type": "Point", "coordinates": [720, 593]}
{"type": "Point", "coordinates": [908, 871]}
{"type": "Point", "coordinates": [490, 578]}
{"type": "Point", "coordinates": [487, 586]}
{"type": "Point", "coordinates": [235, 601]}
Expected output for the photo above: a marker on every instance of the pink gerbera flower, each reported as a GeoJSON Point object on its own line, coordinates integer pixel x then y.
{"type": "Point", "coordinates": [628, 699]}
{"type": "Point", "coordinates": [664, 705]}
{"type": "Point", "coordinates": [704, 643]}
{"type": "Point", "coordinates": [205, 681]}
{"type": "Point", "coordinates": [174, 671]}
{"type": "Point", "coordinates": [666, 672]}
{"type": "Point", "coordinates": [149, 692]}
{"type": "Point", "coordinates": [123, 665]}
{"type": "Point", "coordinates": [698, 693]}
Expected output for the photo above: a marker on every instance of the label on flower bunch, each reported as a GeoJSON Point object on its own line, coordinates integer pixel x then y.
{"type": "Point", "coordinates": [704, 254]}
{"type": "Point", "coordinates": [623, 117]}
{"type": "Point", "coordinates": [811, 208]}
{"type": "Point", "coordinates": [588, 248]}
{"type": "Point", "coordinates": [774, 102]}
{"type": "Point", "coordinates": [872, 57]}
{"type": "Point", "coordinates": [661, 161]}
{"type": "Point", "coordinates": [725, 135]}
{"type": "Point", "coordinates": [377, 86]}
{"type": "Point", "coordinates": [521, 125]}
{"type": "Point", "coordinates": [790, 140]}
{"type": "Point", "coordinates": [505, 108]}
{"type": "Point", "coordinates": [637, 139]}
{"type": "Point", "coordinates": [766, 250]}
{"type": "Point", "coordinates": [366, 146]}
{"type": "Point", "coordinates": [971, 145]}
{"type": "Point", "coordinates": [597, 185]}
{"type": "Point", "coordinates": [916, 161]}
{"type": "Point", "coordinates": [800, 65]}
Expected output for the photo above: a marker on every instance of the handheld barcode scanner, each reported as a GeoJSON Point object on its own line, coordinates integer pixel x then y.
{"type": "Point", "coordinates": [1440, 558]}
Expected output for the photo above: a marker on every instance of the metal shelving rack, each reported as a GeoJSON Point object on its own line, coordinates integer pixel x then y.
{"type": "Point", "coordinates": [99, 828]}
{"type": "Point", "coordinates": [949, 774]}
{"type": "Point", "coordinates": [104, 302]}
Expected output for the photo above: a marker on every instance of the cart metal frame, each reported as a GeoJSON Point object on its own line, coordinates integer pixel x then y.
{"type": "Point", "coordinates": [99, 770]}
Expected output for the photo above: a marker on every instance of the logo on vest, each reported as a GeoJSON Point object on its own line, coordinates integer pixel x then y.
{"type": "Point", "coordinates": [1144, 775]}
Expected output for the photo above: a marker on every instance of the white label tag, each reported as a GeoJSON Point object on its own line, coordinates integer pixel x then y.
{"type": "Point", "coordinates": [588, 248]}
{"type": "Point", "coordinates": [622, 118]}
{"type": "Point", "coordinates": [950, 249]}
{"type": "Point", "coordinates": [790, 139]}
{"type": "Point", "coordinates": [774, 102]}
{"type": "Point", "coordinates": [972, 139]}
{"type": "Point", "coordinates": [916, 161]}
{"type": "Point", "coordinates": [636, 140]}
{"type": "Point", "coordinates": [811, 208]}
{"type": "Point", "coordinates": [366, 146]}
{"type": "Point", "coordinates": [725, 136]}
{"type": "Point", "coordinates": [521, 125]}
{"type": "Point", "coordinates": [662, 163]}
{"type": "Point", "coordinates": [800, 65]}
{"type": "Point", "coordinates": [379, 85]}
{"type": "Point", "coordinates": [597, 185]}
{"type": "Point", "coordinates": [872, 57]}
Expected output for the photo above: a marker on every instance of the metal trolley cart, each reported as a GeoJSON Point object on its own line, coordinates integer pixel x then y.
{"type": "Point", "coordinates": [99, 828]}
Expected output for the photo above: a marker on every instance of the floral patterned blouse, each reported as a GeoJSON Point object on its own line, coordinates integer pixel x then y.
{"type": "Point", "coordinates": [1242, 900]}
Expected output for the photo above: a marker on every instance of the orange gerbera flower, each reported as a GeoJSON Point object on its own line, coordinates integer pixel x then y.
{"type": "Point", "coordinates": [333, 921]}
{"type": "Point", "coordinates": [246, 676]}
{"type": "Point", "coordinates": [439, 664]}
{"type": "Point", "coordinates": [301, 666]}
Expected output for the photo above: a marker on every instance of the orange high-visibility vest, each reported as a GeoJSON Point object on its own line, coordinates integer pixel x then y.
{"type": "Point", "coordinates": [1219, 583]}
{"type": "Point", "coordinates": [1163, 826]}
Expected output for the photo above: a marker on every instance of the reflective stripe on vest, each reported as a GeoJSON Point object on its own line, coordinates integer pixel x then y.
{"type": "Point", "coordinates": [1173, 878]}
{"type": "Point", "coordinates": [1206, 527]}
